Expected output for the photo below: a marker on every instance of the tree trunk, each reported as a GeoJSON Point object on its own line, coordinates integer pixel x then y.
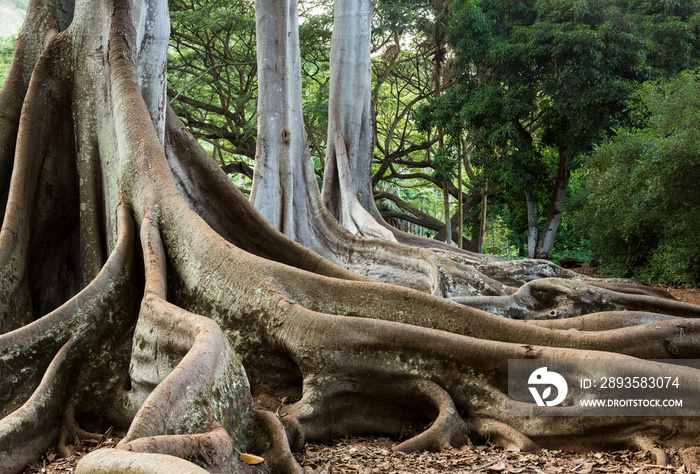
{"type": "Point", "coordinates": [532, 224]}
{"type": "Point", "coordinates": [460, 198]}
{"type": "Point", "coordinates": [347, 180]}
{"type": "Point", "coordinates": [281, 182]}
{"type": "Point", "coordinates": [140, 289]}
{"type": "Point", "coordinates": [551, 223]}
{"type": "Point", "coordinates": [284, 184]}
{"type": "Point", "coordinates": [448, 214]}
{"type": "Point", "coordinates": [482, 222]}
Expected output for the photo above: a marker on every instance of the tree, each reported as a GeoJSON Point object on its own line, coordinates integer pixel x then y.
{"type": "Point", "coordinates": [212, 77]}
{"type": "Point", "coordinates": [553, 76]}
{"type": "Point", "coordinates": [641, 201]}
{"type": "Point", "coordinates": [131, 269]}
{"type": "Point", "coordinates": [284, 184]}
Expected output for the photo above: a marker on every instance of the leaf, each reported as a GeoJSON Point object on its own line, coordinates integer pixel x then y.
{"type": "Point", "coordinates": [251, 459]}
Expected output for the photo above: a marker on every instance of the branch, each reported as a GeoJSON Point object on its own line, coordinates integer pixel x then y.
{"type": "Point", "coordinates": [204, 106]}
{"type": "Point", "coordinates": [394, 156]}
{"type": "Point", "coordinates": [416, 215]}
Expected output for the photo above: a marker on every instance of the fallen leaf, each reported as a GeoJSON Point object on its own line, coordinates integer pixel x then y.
{"type": "Point", "coordinates": [251, 459]}
{"type": "Point", "coordinates": [586, 469]}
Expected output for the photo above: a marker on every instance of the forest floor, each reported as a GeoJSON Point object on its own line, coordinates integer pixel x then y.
{"type": "Point", "coordinates": [371, 455]}
{"type": "Point", "coordinates": [374, 455]}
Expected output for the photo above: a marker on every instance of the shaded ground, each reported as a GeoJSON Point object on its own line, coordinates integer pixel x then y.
{"type": "Point", "coordinates": [374, 455]}
{"type": "Point", "coordinates": [54, 464]}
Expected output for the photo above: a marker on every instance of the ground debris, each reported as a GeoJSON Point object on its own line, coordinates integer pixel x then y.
{"type": "Point", "coordinates": [51, 463]}
{"type": "Point", "coordinates": [374, 455]}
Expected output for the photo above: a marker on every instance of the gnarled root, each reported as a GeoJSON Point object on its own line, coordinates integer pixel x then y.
{"type": "Point", "coordinates": [555, 298]}
{"type": "Point", "coordinates": [70, 431]}
{"type": "Point", "coordinates": [603, 321]}
{"type": "Point", "coordinates": [185, 379]}
{"type": "Point", "coordinates": [213, 449]}
{"type": "Point", "coordinates": [118, 461]}
{"type": "Point", "coordinates": [502, 435]}
{"type": "Point", "coordinates": [30, 430]}
{"type": "Point", "coordinates": [448, 430]}
{"type": "Point", "coordinates": [272, 441]}
{"type": "Point", "coordinates": [648, 445]}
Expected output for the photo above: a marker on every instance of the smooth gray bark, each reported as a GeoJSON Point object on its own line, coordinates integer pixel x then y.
{"type": "Point", "coordinates": [556, 206]}
{"type": "Point", "coordinates": [531, 224]}
{"type": "Point", "coordinates": [282, 179]}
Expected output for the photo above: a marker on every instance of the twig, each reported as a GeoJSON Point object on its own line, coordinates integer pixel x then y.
{"type": "Point", "coordinates": [492, 462]}
{"type": "Point", "coordinates": [576, 467]}
{"type": "Point", "coordinates": [195, 80]}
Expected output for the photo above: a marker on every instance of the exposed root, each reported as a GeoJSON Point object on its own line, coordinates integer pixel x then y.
{"type": "Point", "coordinates": [81, 317]}
{"type": "Point", "coordinates": [70, 431]}
{"type": "Point", "coordinates": [637, 288]}
{"type": "Point", "coordinates": [118, 461]}
{"type": "Point", "coordinates": [604, 321]}
{"type": "Point", "coordinates": [274, 445]}
{"type": "Point", "coordinates": [447, 431]}
{"type": "Point", "coordinates": [502, 435]}
{"type": "Point", "coordinates": [518, 272]}
{"type": "Point", "coordinates": [212, 450]}
{"type": "Point", "coordinates": [62, 447]}
{"type": "Point", "coordinates": [29, 431]}
{"type": "Point", "coordinates": [657, 453]}
{"type": "Point", "coordinates": [182, 396]}
{"type": "Point", "coordinates": [554, 298]}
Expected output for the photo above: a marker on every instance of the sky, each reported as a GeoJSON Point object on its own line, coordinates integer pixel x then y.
{"type": "Point", "coordinates": [11, 16]}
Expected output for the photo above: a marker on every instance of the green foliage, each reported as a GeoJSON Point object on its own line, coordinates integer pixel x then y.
{"type": "Point", "coordinates": [7, 48]}
{"type": "Point", "coordinates": [643, 215]}
{"type": "Point", "coordinates": [212, 70]}
{"type": "Point", "coordinates": [544, 80]}
{"type": "Point", "coordinates": [445, 164]}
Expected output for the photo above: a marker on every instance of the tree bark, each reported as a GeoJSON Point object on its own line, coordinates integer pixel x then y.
{"type": "Point", "coordinates": [347, 180]}
{"type": "Point", "coordinates": [280, 181]}
{"type": "Point", "coordinates": [532, 224]}
{"type": "Point", "coordinates": [446, 202]}
{"type": "Point", "coordinates": [482, 222]}
{"type": "Point", "coordinates": [460, 198]}
{"type": "Point", "coordinates": [551, 223]}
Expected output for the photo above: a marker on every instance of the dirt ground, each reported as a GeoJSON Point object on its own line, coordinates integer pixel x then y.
{"type": "Point", "coordinates": [374, 455]}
